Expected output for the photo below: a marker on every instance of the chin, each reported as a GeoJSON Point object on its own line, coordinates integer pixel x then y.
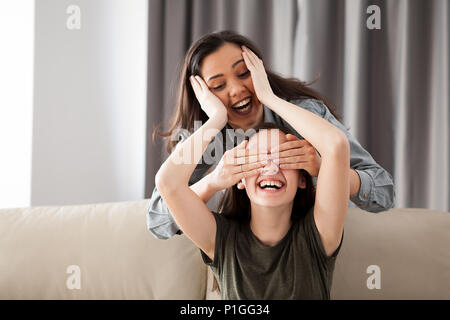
{"type": "Point", "coordinates": [246, 118]}
{"type": "Point", "coordinates": [273, 203]}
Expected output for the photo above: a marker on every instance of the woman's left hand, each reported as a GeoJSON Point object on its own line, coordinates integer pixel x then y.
{"type": "Point", "coordinates": [298, 154]}
{"type": "Point", "coordinates": [259, 76]}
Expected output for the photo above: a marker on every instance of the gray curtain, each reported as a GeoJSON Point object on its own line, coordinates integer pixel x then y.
{"type": "Point", "coordinates": [390, 85]}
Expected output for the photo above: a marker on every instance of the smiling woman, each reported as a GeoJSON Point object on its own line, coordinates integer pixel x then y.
{"type": "Point", "coordinates": [225, 88]}
{"type": "Point", "coordinates": [229, 78]}
{"type": "Point", "coordinates": [218, 59]}
{"type": "Point", "coordinates": [276, 247]}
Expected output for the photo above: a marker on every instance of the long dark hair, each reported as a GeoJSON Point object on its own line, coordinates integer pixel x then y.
{"type": "Point", "coordinates": [187, 107]}
{"type": "Point", "coordinates": [235, 203]}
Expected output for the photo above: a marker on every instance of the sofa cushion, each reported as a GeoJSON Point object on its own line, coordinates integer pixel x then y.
{"type": "Point", "coordinates": [45, 250]}
{"type": "Point", "coordinates": [410, 248]}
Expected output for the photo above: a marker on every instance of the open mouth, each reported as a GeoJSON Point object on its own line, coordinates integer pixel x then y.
{"type": "Point", "coordinates": [243, 107]}
{"type": "Point", "coordinates": [270, 185]}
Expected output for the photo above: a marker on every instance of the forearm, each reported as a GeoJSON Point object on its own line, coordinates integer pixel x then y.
{"type": "Point", "coordinates": [179, 166]}
{"type": "Point", "coordinates": [319, 132]}
{"type": "Point", "coordinates": [203, 189]}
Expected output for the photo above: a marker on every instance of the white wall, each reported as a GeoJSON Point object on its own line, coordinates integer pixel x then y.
{"type": "Point", "coordinates": [89, 102]}
{"type": "Point", "coordinates": [16, 101]}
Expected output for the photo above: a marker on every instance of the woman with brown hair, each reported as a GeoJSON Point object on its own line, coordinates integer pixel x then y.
{"type": "Point", "coordinates": [276, 250]}
{"type": "Point", "coordinates": [217, 57]}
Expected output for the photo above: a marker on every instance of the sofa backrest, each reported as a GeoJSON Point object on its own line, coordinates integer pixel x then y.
{"type": "Point", "coordinates": [409, 249]}
{"type": "Point", "coordinates": [44, 251]}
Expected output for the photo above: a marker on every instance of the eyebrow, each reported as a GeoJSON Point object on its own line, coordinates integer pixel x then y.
{"type": "Point", "coordinates": [221, 74]}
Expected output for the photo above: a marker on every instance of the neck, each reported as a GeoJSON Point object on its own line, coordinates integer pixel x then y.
{"type": "Point", "coordinates": [270, 224]}
{"type": "Point", "coordinates": [259, 120]}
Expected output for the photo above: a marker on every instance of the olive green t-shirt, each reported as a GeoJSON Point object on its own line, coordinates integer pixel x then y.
{"type": "Point", "coordinates": [297, 267]}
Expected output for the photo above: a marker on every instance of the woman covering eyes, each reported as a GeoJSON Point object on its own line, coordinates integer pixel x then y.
{"type": "Point", "coordinates": [271, 248]}
{"type": "Point", "coordinates": [218, 59]}
{"type": "Point", "coordinates": [224, 86]}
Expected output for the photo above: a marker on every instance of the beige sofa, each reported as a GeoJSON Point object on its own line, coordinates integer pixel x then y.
{"type": "Point", "coordinates": [104, 251]}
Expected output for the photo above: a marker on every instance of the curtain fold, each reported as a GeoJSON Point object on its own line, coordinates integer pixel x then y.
{"type": "Point", "coordinates": [390, 86]}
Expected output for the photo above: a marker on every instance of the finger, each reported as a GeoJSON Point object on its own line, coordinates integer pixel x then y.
{"type": "Point", "coordinates": [256, 150]}
{"type": "Point", "coordinates": [288, 145]}
{"type": "Point", "coordinates": [251, 157]}
{"type": "Point", "coordinates": [292, 137]}
{"type": "Point", "coordinates": [195, 85]}
{"type": "Point", "coordinates": [202, 83]}
{"type": "Point", "coordinates": [247, 159]}
{"type": "Point", "coordinates": [244, 153]}
{"type": "Point", "coordinates": [291, 153]}
{"type": "Point", "coordinates": [252, 56]}
{"type": "Point", "coordinates": [240, 150]}
{"type": "Point", "coordinates": [247, 59]}
{"type": "Point", "coordinates": [246, 174]}
{"type": "Point", "coordinates": [296, 159]}
{"type": "Point", "coordinates": [288, 166]}
{"type": "Point", "coordinates": [247, 167]}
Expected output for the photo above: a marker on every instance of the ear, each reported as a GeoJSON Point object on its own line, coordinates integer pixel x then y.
{"type": "Point", "coordinates": [301, 180]}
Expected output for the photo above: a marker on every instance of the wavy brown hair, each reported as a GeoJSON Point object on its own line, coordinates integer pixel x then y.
{"type": "Point", "coordinates": [187, 107]}
{"type": "Point", "coordinates": [235, 204]}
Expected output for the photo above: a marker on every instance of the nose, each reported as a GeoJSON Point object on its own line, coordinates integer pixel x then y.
{"type": "Point", "coordinates": [236, 88]}
{"type": "Point", "coordinates": [270, 168]}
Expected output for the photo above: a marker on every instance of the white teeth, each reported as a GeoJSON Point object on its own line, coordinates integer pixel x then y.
{"type": "Point", "coordinates": [270, 184]}
{"type": "Point", "coordinates": [243, 109]}
{"type": "Point", "coordinates": [242, 103]}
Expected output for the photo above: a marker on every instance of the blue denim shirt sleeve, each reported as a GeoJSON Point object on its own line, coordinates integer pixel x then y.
{"type": "Point", "coordinates": [377, 187]}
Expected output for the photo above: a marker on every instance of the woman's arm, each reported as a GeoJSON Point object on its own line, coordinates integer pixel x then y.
{"type": "Point", "coordinates": [188, 210]}
{"type": "Point", "coordinates": [371, 186]}
{"type": "Point", "coordinates": [332, 190]}
{"type": "Point", "coordinates": [160, 221]}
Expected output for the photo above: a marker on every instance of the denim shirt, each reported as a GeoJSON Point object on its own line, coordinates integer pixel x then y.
{"type": "Point", "coordinates": [376, 191]}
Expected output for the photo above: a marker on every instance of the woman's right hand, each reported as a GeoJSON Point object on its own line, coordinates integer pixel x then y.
{"type": "Point", "coordinates": [209, 102]}
{"type": "Point", "coordinates": [236, 164]}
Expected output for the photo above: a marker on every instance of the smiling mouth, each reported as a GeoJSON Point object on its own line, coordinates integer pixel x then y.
{"type": "Point", "coordinates": [242, 106]}
{"type": "Point", "coordinates": [270, 185]}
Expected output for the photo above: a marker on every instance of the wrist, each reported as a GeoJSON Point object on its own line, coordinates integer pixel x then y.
{"type": "Point", "coordinates": [210, 185]}
{"type": "Point", "coordinates": [204, 188]}
{"type": "Point", "coordinates": [270, 100]}
{"type": "Point", "coordinates": [355, 182]}
{"type": "Point", "coordinates": [219, 120]}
